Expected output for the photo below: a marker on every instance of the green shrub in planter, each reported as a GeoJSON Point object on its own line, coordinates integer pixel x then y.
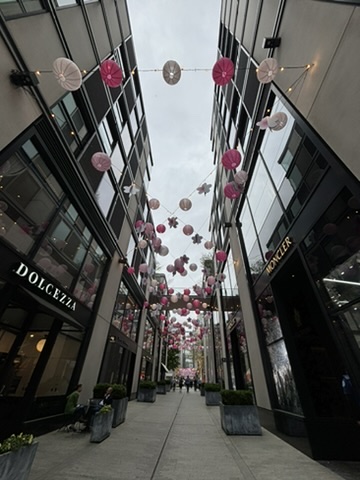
{"type": "Point", "coordinates": [147, 384]}
{"type": "Point", "coordinates": [168, 381]}
{"type": "Point", "coordinates": [237, 397]}
{"type": "Point", "coordinates": [119, 391]}
{"type": "Point", "coordinates": [100, 389]}
{"type": "Point", "coordinates": [161, 382]}
{"type": "Point", "coordinates": [104, 409]}
{"type": "Point", "coordinates": [15, 442]}
{"type": "Point", "coordinates": [17, 454]}
{"type": "Point", "coordinates": [238, 414]}
{"type": "Point", "coordinates": [212, 387]}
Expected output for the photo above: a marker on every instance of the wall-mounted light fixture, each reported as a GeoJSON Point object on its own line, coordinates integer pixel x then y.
{"type": "Point", "coordinates": [271, 42]}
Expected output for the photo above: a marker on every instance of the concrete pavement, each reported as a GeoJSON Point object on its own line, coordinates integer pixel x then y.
{"type": "Point", "coordinates": [177, 437]}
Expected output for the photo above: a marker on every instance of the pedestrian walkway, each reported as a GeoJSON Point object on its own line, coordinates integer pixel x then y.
{"type": "Point", "coordinates": [177, 437]}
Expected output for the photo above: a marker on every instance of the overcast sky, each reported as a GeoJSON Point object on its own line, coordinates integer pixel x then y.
{"type": "Point", "coordinates": [178, 117]}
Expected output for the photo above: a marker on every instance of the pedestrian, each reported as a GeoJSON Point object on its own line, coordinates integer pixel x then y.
{"type": "Point", "coordinates": [174, 384]}
{"type": "Point", "coordinates": [187, 383]}
{"type": "Point", "coordinates": [181, 383]}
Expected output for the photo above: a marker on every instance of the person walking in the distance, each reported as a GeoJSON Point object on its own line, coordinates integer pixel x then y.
{"type": "Point", "coordinates": [181, 383]}
{"type": "Point", "coordinates": [187, 383]}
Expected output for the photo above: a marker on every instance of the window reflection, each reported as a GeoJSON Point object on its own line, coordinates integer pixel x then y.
{"type": "Point", "coordinates": [333, 251]}
{"type": "Point", "coordinates": [126, 314]}
{"type": "Point", "coordinates": [287, 395]}
{"type": "Point", "coordinates": [90, 275]}
{"type": "Point", "coordinates": [28, 197]}
{"type": "Point", "coordinates": [105, 194]}
{"type": "Point", "coordinates": [148, 342]}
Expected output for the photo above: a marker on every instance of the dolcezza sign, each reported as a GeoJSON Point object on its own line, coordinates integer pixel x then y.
{"type": "Point", "coordinates": [278, 255]}
{"type": "Point", "coordinates": [33, 278]}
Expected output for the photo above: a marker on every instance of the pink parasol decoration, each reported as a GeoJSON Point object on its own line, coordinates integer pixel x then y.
{"type": "Point", "coordinates": [223, 71]}
{"type": "Point", "coordinates": [277, 121]}
{"type": "Point", "coordinates": [67, 73]}
{"type": "Point", "coordinates": [171, 72]}
{"type": "Point", "coordinates": [267, 70]}
{"type": "Point", "coordinates": [101, 162]}
{"type": "Point", "coordinates": [111, 73]}
{"type": "Point", "coordinates": [231, 159]}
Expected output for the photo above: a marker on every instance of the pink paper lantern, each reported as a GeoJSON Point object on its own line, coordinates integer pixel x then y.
{"type": "Point", "coordinates": [130, 270]}
{"type": "Point", "coordinates": [163, 251]}
{"type": "Point", "coordinates": [160, 228]}
{"type": "Point", "coordinates": [111, 73]}
{"type": "Point", "coordinates": [240, 177]}
{"type": "Point", "coordinates": [143, 268]}
{"type": "Point", "coordinates": [148, 228]}
{"type": "Point", "coordinates": [154, 204]}
{"type": "Point", "coordinates": [157, 242]}
{"type": "Point", "coordinates": [186, 298]}
{"type": "Point", "coordinates": [223, 71]}
{"type": "Point", "coordinates": [170, 291]}
{"type": "Point", "coordinates": [188, 230]}
{"type": "Point", "coordinates": [162, 286]}
{"type": "Point", "coordinates": [232, 190]}
{"type": "Point", "coordinates": [164, 301]}
{"type": "Point", "coordinates": [193, 267]}
{"type": "Point", "coordinates": [196, 303]}
{"type": "Point", "coordinates": [211, 280]}
{"type": "Point", "coordinates": [170, 268]}
{"type": "Point", "coordinates": [101, 162]}
{"type": "Point", "coordinates": [186, 291]}
{"type": "Point", "coordinates": [221, 256]}
{"type": "Point", "coordinates": [208, 245]}
{"type": "Point", "coordinates": [231, 159]}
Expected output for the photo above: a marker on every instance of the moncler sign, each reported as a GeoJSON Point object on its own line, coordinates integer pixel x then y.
{"type": "Point", "coordinates": [33, 278]}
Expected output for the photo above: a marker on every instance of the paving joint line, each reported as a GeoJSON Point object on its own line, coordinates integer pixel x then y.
{"type": "Point", "coordinates": [166, 439]}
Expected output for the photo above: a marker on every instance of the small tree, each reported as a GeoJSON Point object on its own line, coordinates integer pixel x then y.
{"type": "Point", "coordinates": [173, 360]}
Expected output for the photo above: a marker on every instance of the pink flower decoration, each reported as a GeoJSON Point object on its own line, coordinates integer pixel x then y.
{"type": "Point", "coordinates": [130, 270]}
{"type": "Point", "coordinates": [264, 123]}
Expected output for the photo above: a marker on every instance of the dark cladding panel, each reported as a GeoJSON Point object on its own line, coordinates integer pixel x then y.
{"type": "Point", "coordinates": [96, 91]}
{"type": "Point", "coordinates": [117, 217]}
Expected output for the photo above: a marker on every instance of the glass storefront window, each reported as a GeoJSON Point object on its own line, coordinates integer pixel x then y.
{"type": "Point", "coordinates": [284, 380]}
{"type": "Point", "coordinates": [117, 163]}
{"type": "Point", "coordinates": [126, 313]}
{"type": "Point", "coordinates": [63, 250]}
{"type": "Point", "coordinates": [261, 194]}
{"type": "Point", "coordinates": [28, 197]}
{"type": "Point", "coordinates": [90, 275]}
{"type": "Point", "coordinates": [148, 342]}
{"type": "Point", "coordinates": [287, 396]}
{"type": "Point", "coordinates": [333, 251]}
{"type": "Point", "coordinates": [105, 194]}
{"type": "Point", "coordinates": [59, 368]}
